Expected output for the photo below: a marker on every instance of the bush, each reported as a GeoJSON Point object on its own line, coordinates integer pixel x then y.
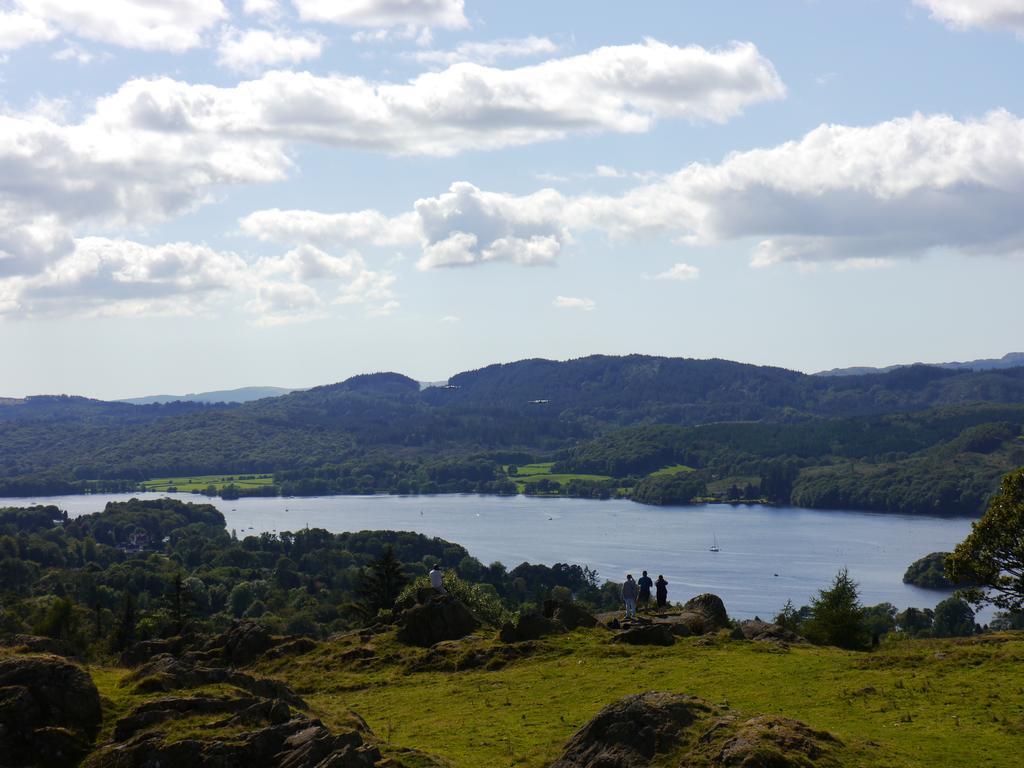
{"type": "Point", "coordinates": [953, 618]}
{"type": "Point", "coordinates": [481, 601]}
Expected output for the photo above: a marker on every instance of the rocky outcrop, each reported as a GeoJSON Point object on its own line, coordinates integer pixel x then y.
{"type": "Point", "coordinates": [297, 743]}
{"type": "Point", "coordinates": [241, 644]}
{"type": "Point", "coordinates": [530, 626]}
{"type": "Point", "coordinates": [633, 731]}
{"type": "Point", "coordinates": [166, 673]}
{"type": "Point", "coordinates": [441, 618]}
{"type": "Point", "coordinates": [668, 728]}
{"type": "Point", "coordinates": [49, 711]}
{"type": "Point", "coordinates": [144, 650]}
{"type": "Point", "coordinates": [37, 644]}
{"type": "Point", "coordinates": [570, 615]}
{"type": "Point", "coordinates": [755, 629]}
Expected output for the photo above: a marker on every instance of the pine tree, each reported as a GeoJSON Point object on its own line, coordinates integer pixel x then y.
{"type": "Point", "coordinates": [381, 583]}
{"type": "Point", "coordinates": [837, 615]}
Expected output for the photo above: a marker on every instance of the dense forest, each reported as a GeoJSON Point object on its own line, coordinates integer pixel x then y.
{"type": "Point", "coordinates": [146, 569]}
{"type": "Point", "coordinates": [917, 439]}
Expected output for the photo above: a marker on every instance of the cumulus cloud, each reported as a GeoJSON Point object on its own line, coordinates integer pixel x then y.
{"type": "Point", "coordinates": [988, 14]}
{"type": "Point", "coordinates": [488, 52]}
{"type": "Point", "coordinates": [860, 196]}
{"type": "Point", "coordinates": [571, 302]}
{"type": "Point", "coordinates": [447, 14]}
{"type": "Point", "coordinates": [331, 229]}
{"type": "Point", "coordinates": [268, 9]}
{"type": "Point", "coordinates": [18, 28]}
{"type": "Point", "coordinates": [116, 277]}
{"type": "Point", "coordinates": [620, 89]}
{"type": "Point", "coordinates": [147, 24]}
{"type": "Point", "coordinates": [680, 271]}
{"type": "Point", "coordinates": [252, 50]}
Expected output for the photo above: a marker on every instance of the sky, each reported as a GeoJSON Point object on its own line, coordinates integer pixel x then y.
{"type": "Point", "coordinates": [209, 194]}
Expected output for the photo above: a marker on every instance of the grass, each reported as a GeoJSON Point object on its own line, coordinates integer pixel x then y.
{"type": "Point", "coordinates": [202, 482]}
{"type": "Point", "coordinates": [532, 473]}
{"type": "Point", "coordinates": [673, 470]}
{"type": "Point", "coordinates": [909, 703]}
{"type": "Point", "coordinates": [912, 703]}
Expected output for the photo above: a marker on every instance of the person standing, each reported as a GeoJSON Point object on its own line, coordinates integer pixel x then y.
{"type": "Point", "coordinates": [661, 591]}
{"type": "Point", "coordinates": [437, 579]}
{"type": "Point", "coordinates": [645, 584]}
{"type": "Point", "coordinates": [629, 594]}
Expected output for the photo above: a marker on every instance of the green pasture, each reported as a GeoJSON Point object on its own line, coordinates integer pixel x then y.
{"type": "Point", "coordinates": [532, 473]}
{"type": "Point", "coordinates": [190, 483]}
{"type": "Point", "coordinates": [673, 470]}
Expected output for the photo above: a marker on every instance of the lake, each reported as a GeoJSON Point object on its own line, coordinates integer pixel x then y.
{"type": "Point", "coordinates": [767, 554]}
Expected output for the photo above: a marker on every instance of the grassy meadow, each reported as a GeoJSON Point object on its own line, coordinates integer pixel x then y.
{"type": "Point", "coordinates": [909, 703]}
{"type": "Point", "coordinates": [189, 483]}
{"type": "Point", "coordinates": [532, 473]}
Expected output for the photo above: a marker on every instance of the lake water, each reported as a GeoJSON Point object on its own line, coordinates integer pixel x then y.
{"type": "Point", "coordinates": [767, 554]}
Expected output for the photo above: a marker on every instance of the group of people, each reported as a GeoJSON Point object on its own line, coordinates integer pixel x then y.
{"type": "Point", "coordinates": [638, 592]}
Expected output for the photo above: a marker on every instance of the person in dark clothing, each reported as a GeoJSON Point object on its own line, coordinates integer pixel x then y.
{"type": "Point", "coordinates": [661, 591]}
{"type": "Point", "coordinates": [645, 584]}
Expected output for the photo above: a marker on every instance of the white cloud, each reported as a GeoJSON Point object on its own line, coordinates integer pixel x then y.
{"type": "Point", "coordinates": [680, 271]}
{"type": "Point", "coordinates": [608, 172]}
{"type": "Point", "coordinates": [106, 277]}
{"type": "Point", "coordinates": [861, 196]}
{"type": "Point", "coordinates": [74, 53]}
{"type": "Point", "coordinates": [489, 52]}
{"type": "Point", "coordinates": [620, 89]}
{"type": "Point", "coordinates": [147, 24]}
{"type": "Point", "coordinates": [18, 29]}
{"type": "Point", "coordinates": [571, 302]}
{"type": "Point", "coordinates": [989, 14]}
{"type": "Point", "coordinates": [331, 229]}
{"type": "Point", "coordinates": [448, 14]}
{"type": "Point", "coordinates": [451, 319]}
{"type": "Point", "coordinates": [252, 50]}
{"type": "Point", "coordinates": [268, 9]}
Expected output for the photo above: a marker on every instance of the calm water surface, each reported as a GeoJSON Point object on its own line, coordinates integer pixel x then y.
{"type": "Point", "coordinates": [768, 554]}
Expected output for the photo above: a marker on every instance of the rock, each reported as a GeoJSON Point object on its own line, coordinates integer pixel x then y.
{"type": "Point", "coordinates": [650, 634]}
{"type": "Point", "coordinates": [49, 711]}
{"type": "Point", "coordinates": [143, 651]}
{"type": "Point", "coordinates": [36, 644]}
{"type": "Point", "coordinates": [767, 741]}
{"type": "Point", "coordinates": [530, 626]}
{"type": "Point", "coordinates": [297, 743]}
{"type": "Point", "coordinates": [759, 630]}
{"type": "Point", "coordinates": [166, 673]}
{"type": "Point", "coordinates": [711, 608]}
{"type": "Point", "coordinates": [569, 614]}
{"type": "Point", "coordinates": [442, 618]}
{"type": "Point", "coordinates": [633, 730]}
{"type": "Point", "coordinates": [242, 643]}
{"type": "Point", "coordinates": [667, 728]}
{"type": "Point", "coordinates": [296, 647]}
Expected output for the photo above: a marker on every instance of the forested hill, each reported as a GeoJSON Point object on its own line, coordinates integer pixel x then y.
{"type": "Point", "coordinates": [531, 410]}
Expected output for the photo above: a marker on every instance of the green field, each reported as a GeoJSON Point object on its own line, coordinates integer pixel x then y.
{"type": "Point", "coordinates": [190, 483]}
{"type": "Point", "coordinates": [673, 470]}
{"type": "Point", "coordinates": [532, 473]}
{"type": "Point", "coordinates": [909, 703]}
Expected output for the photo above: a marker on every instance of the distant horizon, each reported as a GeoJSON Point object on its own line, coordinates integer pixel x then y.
{"type": "Point", "coordinates": [425, 380]}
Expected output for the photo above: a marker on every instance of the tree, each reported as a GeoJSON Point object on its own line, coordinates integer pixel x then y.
{"type": "Point", "coordinates": [953, 618]}
{"type": "Point", "coordinates": [880, 619]}
{"type": "Point", "coordinates": [993, 554]}
{"type": "Point", "coordinates": [788, 617]}
{"type": "Point", "coordinates": [381, 583]}
{"type": "Point", "coordinates": [837, 616]}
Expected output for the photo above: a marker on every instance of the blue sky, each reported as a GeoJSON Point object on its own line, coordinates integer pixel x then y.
{"type": "Point", "coordinates": [214, 195]}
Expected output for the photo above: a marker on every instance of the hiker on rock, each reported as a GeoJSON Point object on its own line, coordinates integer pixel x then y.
{"type": "Point", "coordinates": [645, 584]}
{"type": "Point", "coordinates": [630, 590]}
{"type": "Point", "coordinates": [436, 579]}
{"type": "Point", "coordinates": [661, 591]}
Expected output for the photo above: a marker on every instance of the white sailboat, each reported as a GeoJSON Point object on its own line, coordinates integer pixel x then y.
{"type": "Point", "coordinates": [714, 547]}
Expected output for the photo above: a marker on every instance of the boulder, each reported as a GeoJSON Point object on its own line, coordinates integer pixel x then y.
{"type": "Point", "coordinates": [143, 651]}
{"type": "Point", "coordinates": [37, 644]}
{"type": "Point", "coordinates": [633, 731]}
{"type": "Point", "coordinates": [569, 614]}
{"type": "Point", "coordinates": [530, 626]}
{"type": "Point", "coordinates": [49, 711]}
{"type": "Point", "coordinates": [646, 634]}
{"type": "Point", "coordinates": [673, 729]}
{"type": "Point", "coordinates": [755, 629]}
{"type": "Point", "coordinates": [442, 618]}
{"type": "Point", "coordinates": [711, 608]}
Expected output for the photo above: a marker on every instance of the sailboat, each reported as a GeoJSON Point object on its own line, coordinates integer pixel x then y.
{"type": "Point", "coordinates": [714, 547]}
